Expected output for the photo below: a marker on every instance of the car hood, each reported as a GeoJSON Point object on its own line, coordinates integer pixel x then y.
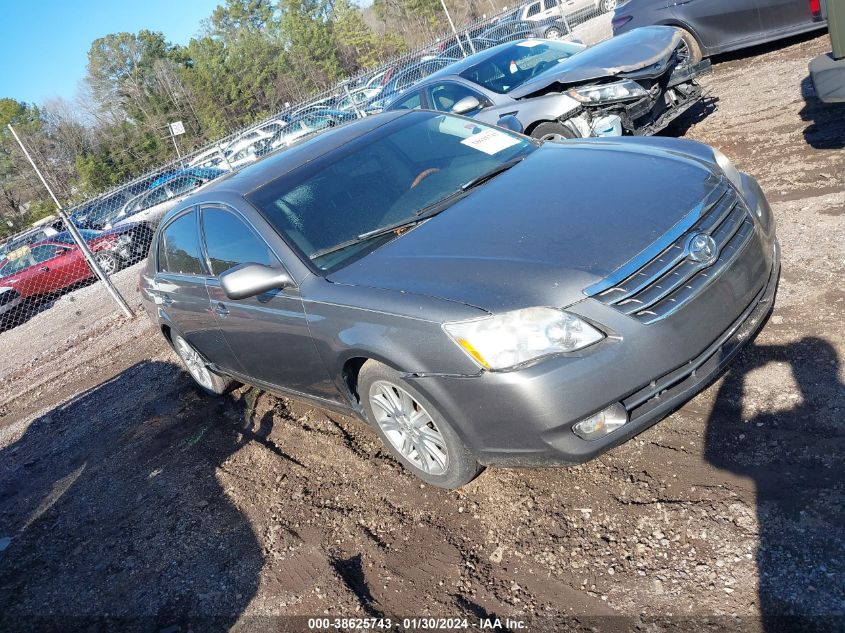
{"type": "Point", "coordinates": [537, 235]}
{"type": "Point", "coordinates": [636, 50]}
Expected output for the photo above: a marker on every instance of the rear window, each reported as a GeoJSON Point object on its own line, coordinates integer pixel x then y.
{"type": "Point", "coordinates": [179, 247]}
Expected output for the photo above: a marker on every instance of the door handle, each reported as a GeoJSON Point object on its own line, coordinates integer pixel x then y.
{"type": "Point", "coordinates": [44, 269]}
{"type": "Point", "coordinates": [221, 309]}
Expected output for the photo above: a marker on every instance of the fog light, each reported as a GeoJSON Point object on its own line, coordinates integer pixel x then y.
{"type": "Point", "coordinates": [602, 423]}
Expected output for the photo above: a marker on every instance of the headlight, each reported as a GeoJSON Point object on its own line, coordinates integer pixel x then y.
{"type": "Point", "coordinates": [727, 167]}
{"type": "Point", "coordinates": [506, 340]}
{"type": "Point", "coordinates": [608, 92]}
{"type": "Point", "coordinates": [126, 238]}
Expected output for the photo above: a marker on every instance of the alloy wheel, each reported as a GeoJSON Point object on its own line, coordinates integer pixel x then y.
{"type": "Point", "coordinates": [409, 427]}
{"type": "Point", "coordinates": [608, 5]}
{"type": "Point", "coordinates": [193, 362]}
{"type": "Point", "coordinates": [107, 263]}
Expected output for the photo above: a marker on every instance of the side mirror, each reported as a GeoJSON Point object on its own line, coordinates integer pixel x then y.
{"type": "Point", "coordinates": [249, 280]}
{"type": "Point", "coordinates": [510, 122]}
{"type": "Point", "coordinates": [467, 104]}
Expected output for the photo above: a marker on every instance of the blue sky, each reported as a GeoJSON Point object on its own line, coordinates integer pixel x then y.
{"type": "Point", "coordinates": [44, 44]}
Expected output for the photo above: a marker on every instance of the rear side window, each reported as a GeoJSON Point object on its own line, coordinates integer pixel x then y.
{"type": "Point", "coordinates": [229, 242]}
{"type": "Point", "coordinates": [179, 247]}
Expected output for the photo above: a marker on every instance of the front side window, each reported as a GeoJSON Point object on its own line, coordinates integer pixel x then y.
{"type": "Point", "coordinates": [179, 247]}
{"type": "Point", "coordinates": [46, 251]}
{"type": "Point", "coordinates": [386, 177]}
{"type": "Point", "coordinates": [444, 96]}
{"type": "Point", "coordinates": [534, 9]}
{"type": "Point", "coordinates": [517, 63]}
{"type": "Point", "coordinates": [229, 242]}
{"type": "Point", "coordinates": [410, 102]}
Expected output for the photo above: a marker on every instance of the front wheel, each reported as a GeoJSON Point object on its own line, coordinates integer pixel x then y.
{"type": "Point", "coordinates": [552, 131]}
{"type": "Point", "coordinates": [108, 262]}
{"type": "Point", "coordinates": [413, 429]}
{"type": "Point", "coordinates": [206, 379]}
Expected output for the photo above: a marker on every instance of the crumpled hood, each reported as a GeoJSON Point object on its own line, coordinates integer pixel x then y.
{"type": "Point", "coordinates": [566, 217]}
{"type": "Point", "coordinates": [630, 52]}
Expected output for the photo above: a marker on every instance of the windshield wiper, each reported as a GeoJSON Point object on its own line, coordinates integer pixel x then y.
{"type": "Point", "coordinates": [364, 237]}
{"type": "Point", "coordinates": [498, 169]}
{"type": "Point", "coordinates": [426, 212]}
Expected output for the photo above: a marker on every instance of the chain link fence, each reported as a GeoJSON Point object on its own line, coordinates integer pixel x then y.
{"type": "Point", "coordinates": [41, 266]}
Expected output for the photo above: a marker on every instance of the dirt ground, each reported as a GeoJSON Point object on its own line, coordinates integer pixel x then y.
{"type": "Point", "coordinates": [130, 501]}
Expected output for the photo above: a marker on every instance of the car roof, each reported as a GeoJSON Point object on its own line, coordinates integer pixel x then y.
{"type": "Point", "coordinates": [272, 166]}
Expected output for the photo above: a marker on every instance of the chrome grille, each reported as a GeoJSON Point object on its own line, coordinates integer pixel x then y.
{"type": "Point", "coordinates": [673, 278]}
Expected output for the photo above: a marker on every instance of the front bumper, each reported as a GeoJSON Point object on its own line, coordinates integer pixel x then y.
{"type": "Point", "coordinates": [648, 116]}
{"type": "Point", "coordinates": [525, 417]}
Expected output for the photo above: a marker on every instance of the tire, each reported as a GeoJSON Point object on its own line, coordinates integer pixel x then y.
{"type": "Point", "coordinates": [694, 53]}
{"type": "Point", "coordinates": [447, 462]}
{"type": "Point", "coordinates": [109, 262]}
{"type": "Point", "coordinates": [553, 33]}
{"type": "Point", "coordinates": [608, 5]}
{"type": "Point", "coordinates": [552, 131]}
{"type": "Point", "coordinates": [209, 382]}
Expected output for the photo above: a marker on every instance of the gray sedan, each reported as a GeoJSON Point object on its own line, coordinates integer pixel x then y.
{"type": "Point", "coordinates": [633, 84]}
{"type": "Point", "coordinates": [423, 272]}
{"type": "Point", "coordinates": [716, 26]}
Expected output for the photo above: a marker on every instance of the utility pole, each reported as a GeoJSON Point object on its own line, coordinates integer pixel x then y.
{"type": "Point", "coordinates": [74, 232]}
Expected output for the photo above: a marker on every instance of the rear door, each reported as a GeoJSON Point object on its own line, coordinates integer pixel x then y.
{"type": "Point", "coordinates": [784, 16]}
{"type": "Point", "coordinates": [720, 23]}
{"type": "Point", "coordinates": [268, 333]}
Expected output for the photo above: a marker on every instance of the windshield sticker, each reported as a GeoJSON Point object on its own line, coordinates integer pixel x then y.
{"type": "Point", "coordinates": [490, 142]}
{"type": "Point", "coordinates": [529, 43]}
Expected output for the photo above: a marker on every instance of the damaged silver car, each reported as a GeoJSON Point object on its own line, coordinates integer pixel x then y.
{"type": "Point", "coordinates": [634, 84]}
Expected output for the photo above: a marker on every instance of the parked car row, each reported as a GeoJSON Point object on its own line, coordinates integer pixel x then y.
{"type": "Point", "coordinates": [56, 263]}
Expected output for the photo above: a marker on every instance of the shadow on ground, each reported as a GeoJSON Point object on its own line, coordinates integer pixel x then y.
{"type": "Point", "coordinates": [116, 517]}
{"type": "Point", "coordinates": [826, 129]}
{"type": "Point", "coordinates": [796, 458]}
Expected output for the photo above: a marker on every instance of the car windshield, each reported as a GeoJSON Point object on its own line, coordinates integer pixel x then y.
{"type": "Point", "coordinates": [382, 179]}
{"type": "Point", "coordinates": [515, 64]}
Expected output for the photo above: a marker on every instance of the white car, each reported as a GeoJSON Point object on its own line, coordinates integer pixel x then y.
{"type": "Point", "coordinates": [10, 299]}
{"type": "Point", "coordinates": [151, 205]}
{"type": "Point", "coordinates": [209, 158]}
{"type": "Point", "coordinates": [544, 9]}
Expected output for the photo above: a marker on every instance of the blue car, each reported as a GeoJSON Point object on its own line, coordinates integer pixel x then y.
{"type": "Point", "coordinates": [206, 173]}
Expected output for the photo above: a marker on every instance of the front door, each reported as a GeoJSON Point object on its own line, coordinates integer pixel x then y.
{"type": "Point", "coordinates": [269, 333]}
{"type": "Point", "coordinates": [179, 288]}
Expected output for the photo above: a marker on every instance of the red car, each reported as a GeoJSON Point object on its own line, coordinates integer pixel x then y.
{"type": "Point", "coordinates": [55, 264]}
